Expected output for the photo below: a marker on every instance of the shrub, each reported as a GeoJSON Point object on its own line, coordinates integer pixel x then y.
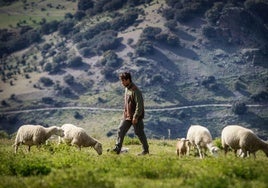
{"type": "Point", "coordinates": [209, 32]}
{"type": "Point", "coordinates": [239, 108]}
{"type": "Point", "coordinates": [150, 32]}
{"type": "Point", "coordinates": [69, 79]}
{"type": "Point", "coordinates": [111, 59]}
{"type": "Point", "coordinates": [85, 4]}
{"type": "Point", "coordinates": [109, 74]}
{"type": "Point", "coordinates": [213, 14]}
{"type": "Point", "coordinates": [4, 103]}
{"type": "Point", "coordinates": [77, 115]}
{"type": "Point", "coordinates": [144, 47]}
{"type": "Point", "coordinates": [173, 40]}
{"type": "Point", "coordinates": [50, 27]}
{"type": "Point", "coordinates": [122, 22]}
{"type": "Point", "coordinates": [79, 15]}
{"type": "Point", "coordinates": [168, 13]}
{"type": "Point", "coordinates": [47, 100]}
{"type": "Point", "coordinates": [3, 134]}
{"type": "Point", "coordinates": [46, 81]}
{"type": "Point", "coordinates": [86, 52]}
{"type": "Point", "coordinates": [75, 61]}
{"type": "Point", "coordinates": [65, 27]}
{"type": "Point", "coordinates": [260, 97]}
{"type": "Point", "coordinates": [171, 24]}
{"type": "Point", "coordinates": [59, 59]}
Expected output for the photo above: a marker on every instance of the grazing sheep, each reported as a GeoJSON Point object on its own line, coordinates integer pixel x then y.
{"type": "Point", "coordinates": [201, 139]}
{"type": "Point", "coordinates": [237, 137]}
{"type": "Point", "coordinates": [35, 135]}
{"type": "Point", "coordinates": [74, 135]}
{"type": "Point", "coordinates": [182, 146]}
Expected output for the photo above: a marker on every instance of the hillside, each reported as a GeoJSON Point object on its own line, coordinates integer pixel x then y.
{"type": "Point", "coordinates": [179, 54]}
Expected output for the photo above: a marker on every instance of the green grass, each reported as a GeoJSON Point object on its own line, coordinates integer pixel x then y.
{"type": "Point", "coordinates": [63, 166]}
{"type": "Point", "coordinates": [33, 12]}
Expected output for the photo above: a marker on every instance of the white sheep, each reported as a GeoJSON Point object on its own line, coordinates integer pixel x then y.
{"type": "Point", "coordinates": [182, 146]}
{"type": "Point", "coordinates": [77, 136]}
{"type": "Point", "coordinates": [237, 137]}
{"type": "Point", "coordinates": [35, 135]}
{"type": "Point", "coordinates": [201, 139]}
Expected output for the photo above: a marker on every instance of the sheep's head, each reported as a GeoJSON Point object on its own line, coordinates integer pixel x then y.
{"type": "Point", "coordinates": [98, 148]}
{"type": "Point", "coordinates": [60, 132]}
{"type": "Point", "coordinates": [214, 150]}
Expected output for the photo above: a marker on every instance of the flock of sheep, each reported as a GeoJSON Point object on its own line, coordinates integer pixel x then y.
{"type": "Point", "coordinates": [70, 134]}
{"type": "Point", "coordinates": [242, 140]}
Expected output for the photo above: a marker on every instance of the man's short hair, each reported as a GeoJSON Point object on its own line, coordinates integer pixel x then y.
{"type": "Point", "coordinates": [125, 76]}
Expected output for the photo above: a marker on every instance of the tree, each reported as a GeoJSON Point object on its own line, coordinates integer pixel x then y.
{"type": "Point", "coordinates": [85, 4]}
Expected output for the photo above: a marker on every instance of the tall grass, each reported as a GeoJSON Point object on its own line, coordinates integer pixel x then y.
{"type": "Point", "coordinates": [62, 166]}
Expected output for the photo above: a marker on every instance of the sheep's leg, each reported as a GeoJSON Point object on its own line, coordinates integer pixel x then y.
{"type": "Point", "coordinates": [188, 150]}
{"type": "Point", "coordinates": [29, 148]}
{"type": "Point", "coordinates": [16, 148]}
{"type": "Point", "coordinates": [235, 152]}
{"type": "Point", "coordinates": [254, 155]}
{"type": "Point", "coordinates": [200, 152]}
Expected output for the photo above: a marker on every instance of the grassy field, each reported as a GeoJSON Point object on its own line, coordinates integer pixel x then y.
{"type": "Point", "coordinates": [63, 166]}
{"type": "Point", "coordinates": [32, 12]}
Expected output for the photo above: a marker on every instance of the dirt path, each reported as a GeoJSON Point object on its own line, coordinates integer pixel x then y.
{"type": "Point", "coordinates": [119, 110]}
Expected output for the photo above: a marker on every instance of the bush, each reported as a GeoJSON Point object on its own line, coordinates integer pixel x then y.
{"type": "Point", "coordinates": [77, 115]}
{"type": "Point", "coordinates": [65, 27]}
{"type": "Point", "coordinates": [3, 134]}
{"type": "Point", "coordinates": [109, 74]}
{"type": "Point", "coordinates": [85, 4]}
{"type": "Point", "coordinates": [213, 14]}
{"type": "Point", "coordinates": [75, 61]}
{"type": "Point", "coordinates": [209, 32]}
{"type": "Point", "coordinates": [50, 27]}
{"type": "Point", "coordinates": [171, 24]}
{"type": "Point", "coordinates": [86, 52]}
{"type": "Point", "coordinates": [150, 32]}
{"type": "Point", "coordinates": [46, 81]}
{"type": "Point", "coordinates": [260, 97]}
{"type": "Point", "coordinates": [111, 59]}
{"type": "Point", "coordinates": [144, 47]}
{"type": "Point", "coordinates": [47, 100]}
{"type": "Point", "coordinates": [239, 108]}
{"type": "Point", "coordinates": [69, 79]}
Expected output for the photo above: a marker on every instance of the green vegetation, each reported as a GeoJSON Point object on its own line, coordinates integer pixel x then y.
{"type": "Point", "coordinates": [63, 166]}
{"type": "Point", "coordinates": [69, 53]}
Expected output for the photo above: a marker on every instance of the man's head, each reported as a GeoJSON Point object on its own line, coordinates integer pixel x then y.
{"type": "Point", "coordinates": [125, 78]}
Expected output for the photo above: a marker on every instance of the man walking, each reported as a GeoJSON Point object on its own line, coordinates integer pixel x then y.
{"type": "Point", "coordinates": [133, 114]}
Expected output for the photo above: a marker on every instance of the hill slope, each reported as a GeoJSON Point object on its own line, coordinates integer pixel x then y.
{"type": "Point", "coordinates": [214, 54]}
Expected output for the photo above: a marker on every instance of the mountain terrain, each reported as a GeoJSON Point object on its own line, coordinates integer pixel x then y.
{"type": "Point", "coordinates": [196, 62]}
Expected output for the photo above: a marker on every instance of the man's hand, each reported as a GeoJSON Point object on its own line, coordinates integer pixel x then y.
{"type": "Point", "coordinates": [134, 121]}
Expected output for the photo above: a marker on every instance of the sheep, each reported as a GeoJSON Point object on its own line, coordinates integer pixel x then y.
{"type": "Point", "coordinates": [35, 135]}
{"type": "Point", "coordinates": [77, 136]}
{"type": "Point", "coordinates": [237, 137]}
{"type": "Point", "coordinates": [201, 139]}
{"type": "Point", "coordinates": [182, 146]}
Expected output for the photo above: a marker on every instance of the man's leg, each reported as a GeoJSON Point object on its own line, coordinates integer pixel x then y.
{"type": "Point", "coordinates": [139, 131]}
{"type": "Point", "coordinates": [122, 130]}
